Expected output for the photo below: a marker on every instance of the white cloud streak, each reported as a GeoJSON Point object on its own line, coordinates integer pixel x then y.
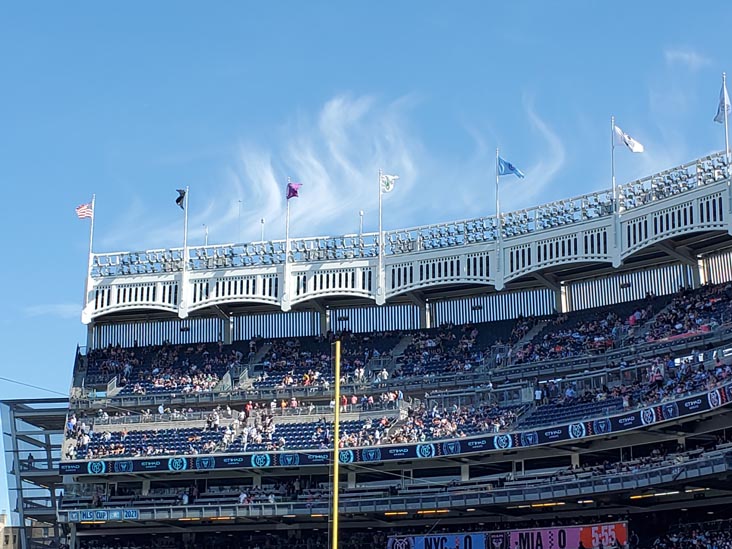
{"type": "Point", "coordinates": [686, 57]}
{"type": "Point", "coordinates": [55, 310]}
{"type": "Point", "coordinates": [542, 173]}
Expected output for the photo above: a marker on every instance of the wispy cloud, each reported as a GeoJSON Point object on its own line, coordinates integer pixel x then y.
{"type": "Point", "coordinates": [336, 153]}
{"type": "Point", "coordinates": [544, 171]}
{"type": "Point", "coordinates": [55, 310]}
{"type": "Point", "coordinates": [687, 57]}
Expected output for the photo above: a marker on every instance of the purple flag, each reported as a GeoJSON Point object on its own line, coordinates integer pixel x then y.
{"type": "Point", "coordinates": [292, 190]}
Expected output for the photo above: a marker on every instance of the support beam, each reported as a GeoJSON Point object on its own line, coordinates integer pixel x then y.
{"type": "Point", "coordinates": [551, 282]}
{"type": "Point", "coordinates": [323, 316]}
{"type": "Point", "coordinates": [682, 254]}
{"type": "Point", "coordinates": [417, 298]}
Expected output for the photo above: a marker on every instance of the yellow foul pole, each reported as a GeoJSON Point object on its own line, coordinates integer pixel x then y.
{"type": "Point", "coordinates": [336, 440]}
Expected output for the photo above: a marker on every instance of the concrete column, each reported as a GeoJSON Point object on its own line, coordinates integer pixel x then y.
{"type": "Point", "coordinates": [351, 479]}
{"type": "Point", "coordinates": [72, 537]}
{"type": "Point", "coordinates": [145, 487]}
{"type": "Point", "coordinates": [575, 460]}
{"type": "Point", "coordinates": [256, 480]}
{"type": "Point", "coordinates": [464, 472]}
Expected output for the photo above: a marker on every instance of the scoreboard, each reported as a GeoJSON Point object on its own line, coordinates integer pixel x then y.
{"type": "Point", "coordinates": [592, 536]}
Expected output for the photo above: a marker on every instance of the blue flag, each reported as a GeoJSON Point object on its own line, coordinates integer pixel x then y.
{"type": "Point", "coordinates": [506, 168]}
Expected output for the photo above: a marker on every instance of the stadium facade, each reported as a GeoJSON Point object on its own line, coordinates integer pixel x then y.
{"type": "Point", "coordinates": [529, 371]}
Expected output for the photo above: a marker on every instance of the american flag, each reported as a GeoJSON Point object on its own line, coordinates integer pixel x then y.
{"type": "Point", "coordinates": [85, 210]}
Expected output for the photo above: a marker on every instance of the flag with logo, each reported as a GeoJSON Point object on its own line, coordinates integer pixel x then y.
{"type": "Point", "coordinates": [506, 168]}
{"type": "Point", "coordinates": [293, 190]}
{"type": "Point", "coordinates": [724, 108]}
{"type": "Point", "coordinates": [622, 138]}
{"type": "Point", "coordinates": [387, 182]}
{"type": "Point", "coordinates": [181, 200]}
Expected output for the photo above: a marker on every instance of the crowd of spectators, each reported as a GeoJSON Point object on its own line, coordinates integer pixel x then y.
{"type": "Point", "coordinates": [454, 421]}
{"type": "Point", "coordinates": [564, 340]}
{"type": "Point", "coordinates": [307, 362]}
{"type": "Point", "coordinates": [691, 312]}
{"type": "Point", "coordinates": [449, 349]}
{"type": "Point", "coordinates": [697, 536]}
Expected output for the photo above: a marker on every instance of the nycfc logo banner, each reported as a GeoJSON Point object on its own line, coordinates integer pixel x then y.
{"type": "Point", "coordinates": [346, 456]}
{"type": "Point", "coordinates": [400, 543]}
{"type": "Point", "coordinates": [290, 460]}
{"type": "Point", "coordinates": [123, 466]}
{"type": "Point", "coordinates": [577, 430]}
{"type": "Point", "coordinates": [261, 460]}
{"type": "Point", "coordinates": [451, 448]}
{"type": "Point", "coordinates": [502, 442]}
{"type": "Point", "coordinates": [97, 467]}
{"type": "Point", "coordinates": [426, 450]}
{"type": "Point", "coordinates": [371, 454]}
{"type": "Point", "coordinates": [205, 463]}
{"type": "Point", "coordinates": [177, 464]}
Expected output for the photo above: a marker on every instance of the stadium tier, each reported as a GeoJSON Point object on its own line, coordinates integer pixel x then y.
{"type": "Point", "coordinates": [558, 378]}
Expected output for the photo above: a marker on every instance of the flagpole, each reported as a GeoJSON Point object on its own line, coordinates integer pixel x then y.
{"type": "Point", "coordinates": [726, 128]}
{"type": "Point", "coordinates": [185, 231]}
{"type": "Point", "coordinates": [91, 229]}
{"type": "Point", "coordinates": [499, 224]}
{"type": "Point", "coordinates": [91, 247]}
{"type": "Point", "coordinates": [612, 162]}
{"type": "Point", "coordinates": [287, 228]}
{"type": "Point", "coordinates": [380, 289]}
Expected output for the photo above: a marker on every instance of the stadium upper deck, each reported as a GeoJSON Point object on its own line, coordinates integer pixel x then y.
{"type": "Point", "coordinates": [671, 217]}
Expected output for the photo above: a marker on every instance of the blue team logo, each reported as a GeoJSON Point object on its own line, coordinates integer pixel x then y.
{"type": "Point", "coordinates": [529, 439]}
{"type": "Point", "coordinates": [400, 543]}
{"type": "Point", "coordinates": [371, 454]}
{"type": "Point", "coordinates": [602, 426]}
{"type": "Point", "coordinates": [648, 416]}
{"type": "Point", "coordinates": [670, 410]}
{"type": "Point", "coordinates": [177, 464]}
{"type": "Point", "coordinates": [96, 467]}
{"type": "Point", "coordinates": [205, 463]}
{"type": "Point", "coordinates": [577, 430]}
{"type": "Point", "coordinates": [261, 460]}
{"type": "Point", "coordinates": [502, 442]}
{"type": "Point", "coordinates": [426, 450]}
{"type": "Point", "coordinates": [290, 460]}
{"type": "Point", "coordinates": [451, 448]}
{"type": "Point", "coordinates": [714, 399]}
{"type": "Point", "coordinates": [123, 466]}
{"type": "Point", "coordinates": [346, 456]}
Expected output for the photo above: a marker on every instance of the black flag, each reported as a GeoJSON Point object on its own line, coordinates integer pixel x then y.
{"type": "Point", "coordinates": [181, 198]}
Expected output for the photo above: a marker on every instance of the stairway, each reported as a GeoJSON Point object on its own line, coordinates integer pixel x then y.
{"type": "Point", "coordinates": [260, 354]}
{"type": "Point", "coordinates": [531, 334]}
{"type": "Point", "coordinates": [377, 364]}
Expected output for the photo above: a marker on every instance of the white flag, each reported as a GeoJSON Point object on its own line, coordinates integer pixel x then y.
{"type": "Point", "coordinates": [622, 138]}
{"type": "Point", "coordinates": [387, 182]}
{"type": "Point", "coordinates": [724, 106]}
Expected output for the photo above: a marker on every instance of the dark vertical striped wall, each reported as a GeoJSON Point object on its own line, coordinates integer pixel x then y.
{"type": "Point", "coordinates": [631, 286]}
{"type": "Point", "coordinates": [717, 268]}
{"type": "Point", "coordinates": [491, 307]}
{"type": "Point", "coordinates": [369, 319]}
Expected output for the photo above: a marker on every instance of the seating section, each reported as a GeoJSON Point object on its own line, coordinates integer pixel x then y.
{"type": "Point", "coordinates": [197, 440]}
{"type": "Point", "coordinates": [691, 312]}
{"type": "Point", "coordinates": [307, 362]}
{"type": "Point", "coordinates": [164, 369]}
{"type": "Point", "coordinates": [588, 332]}
{"type": "Point", "coordinates": [552, 414]}
{"type": "Point", "coordinates": [452, 348]}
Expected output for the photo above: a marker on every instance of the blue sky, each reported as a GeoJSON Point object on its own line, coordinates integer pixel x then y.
{"type": "Point", "coordinates": [133, 100]}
